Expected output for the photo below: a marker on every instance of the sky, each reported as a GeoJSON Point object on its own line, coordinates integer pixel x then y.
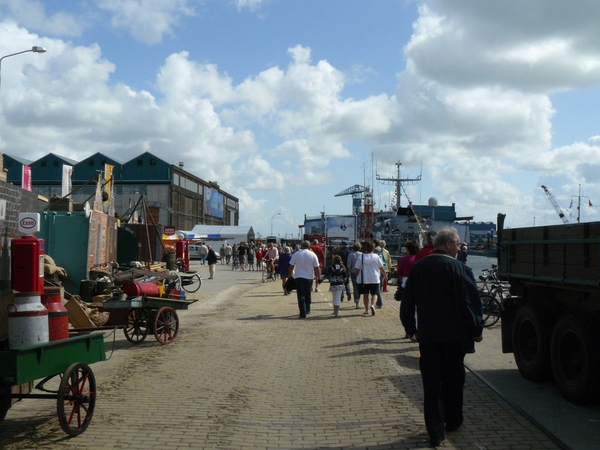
{"type": "Point", "coordinates": [286, 103]}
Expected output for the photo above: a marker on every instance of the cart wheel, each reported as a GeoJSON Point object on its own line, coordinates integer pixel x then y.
{"type": "Point", "coordinates": [191, 283]}
{"type": "Point", "coordinates": [173, 281]}
{"type": "Point", "coordinates": [4, 399]}
{"type": "Point", "coordinates": [166, 325]}
{"type": "Point", "coordinates": [136, 328]}
{"type": "Point", "coordinates": [76, 399]}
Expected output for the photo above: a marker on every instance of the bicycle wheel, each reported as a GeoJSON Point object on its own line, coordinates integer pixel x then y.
{"type": "Point", "coordinates": [191, 283]}
{"type": "Point", "coordinates": [491, 310]}
{"type": "Point", "coordinates": [265, 274]}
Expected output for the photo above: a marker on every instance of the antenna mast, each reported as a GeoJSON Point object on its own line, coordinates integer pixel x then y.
{"type": "Point", "coordinates": [398, 182]}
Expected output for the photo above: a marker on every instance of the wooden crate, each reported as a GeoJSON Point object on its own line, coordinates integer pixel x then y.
{"type": "Point", "coordinates": [77, 316]}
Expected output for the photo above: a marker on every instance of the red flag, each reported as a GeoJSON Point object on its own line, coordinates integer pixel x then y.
{"type": "Point", "coordinates": [590, 202]}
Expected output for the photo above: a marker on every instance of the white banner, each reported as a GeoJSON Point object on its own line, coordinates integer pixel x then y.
{"type": "Point", "coordinates": [66, 180]}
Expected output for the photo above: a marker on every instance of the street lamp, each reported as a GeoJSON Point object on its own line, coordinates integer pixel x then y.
{"type": "Point", "coordinates": [34, 49]}
{"type": "Point", "coordinates": [276, 214]}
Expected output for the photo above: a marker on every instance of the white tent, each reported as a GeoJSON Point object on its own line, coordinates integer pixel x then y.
{"type": "Point", "coordinates": [220, 233]}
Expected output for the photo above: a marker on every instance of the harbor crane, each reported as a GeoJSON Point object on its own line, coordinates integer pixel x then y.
{"type": "Point", "coordinates": [355, 191]}
{"type": "Point", "coordinates": [558, 209]}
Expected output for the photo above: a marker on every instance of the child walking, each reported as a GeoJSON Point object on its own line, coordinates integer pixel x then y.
{"type": "Point", "coordinates": [337, 279]}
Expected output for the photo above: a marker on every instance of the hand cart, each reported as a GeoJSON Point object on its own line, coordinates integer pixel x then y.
{"type": "Point", "coordinates": [66, 358]}
{"type": "Point", "coordinates": [147, 314]}
{"type": "Point", "coordinates": [188, 281]}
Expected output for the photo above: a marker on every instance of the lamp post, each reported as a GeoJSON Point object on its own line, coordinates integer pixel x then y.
{"type": "Point", "coordinates": [34, 49]}
{"type": "Point", "coordinates": [276, 214]}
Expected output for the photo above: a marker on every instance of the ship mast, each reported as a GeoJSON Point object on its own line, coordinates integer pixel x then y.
{"type": "Point", "coordinates": [398, 182]}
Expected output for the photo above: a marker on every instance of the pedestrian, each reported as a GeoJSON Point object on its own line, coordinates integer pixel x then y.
{"type": "Point", "coordinates": [462, 253]}
{"type": "Point", "coordinates": [443, 292]}
{"type": "Point", "coordinates": [203, 249]}
{"type": "Point", "coordinates": [406, 262]}
{"type": "Point", "coordinates": [387, 262]}
{"type": "Point", "coordinates": [228, 253]}
{"type": "Point", "coordinates": [211, 259]}
{"type": "Point", "coordinates": [337, 280]}
{"type": "Point", "coordinates": [369, 269]}
{"type": "Point", "coordinates": [259, 257]}
{"type": "Point", "coordinates": [350, 268]}
{"type": "Point", "coordinates": [344, 252]}
{"type": "Point", "coordinates": [318, 250]}
{"type": "Point", "coordinates": [428, 248]}
{"type": "Point", "coordinates": [250, 256]}
{"type": "Point", "coordinates": [304, 267]}
{"type": "Point", "coordinates": [242, 255]}
{"type": "Point", "coordinates": [284, 267]}
{"type": "Point", "coordinates": [222, 253]}
{"type": "Point", "coordinates": [379, 253]}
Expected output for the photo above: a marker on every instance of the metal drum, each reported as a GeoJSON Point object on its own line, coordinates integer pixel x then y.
{"type": "Point", "coordinates": [27, 321]}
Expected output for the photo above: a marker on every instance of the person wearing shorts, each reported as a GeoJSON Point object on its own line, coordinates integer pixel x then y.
{"type": "Point", "coordinates": [369, 269]}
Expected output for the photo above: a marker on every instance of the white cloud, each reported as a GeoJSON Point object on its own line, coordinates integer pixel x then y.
{"type": "Point", "coordinates": [147, 20]}
{"type": "Point", "coordinates": [32, 14]}
{"type": "Point", "coordinates": [252, 5]}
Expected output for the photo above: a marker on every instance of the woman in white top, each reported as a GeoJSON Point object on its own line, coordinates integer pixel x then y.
{"type": "Point", "coordinates": [369, 269]}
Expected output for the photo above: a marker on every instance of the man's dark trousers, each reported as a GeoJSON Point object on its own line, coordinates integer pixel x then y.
{"type": "Point", "coordinates": [303, 291]}
{"type": "Point", "coordinates": [443, 376]}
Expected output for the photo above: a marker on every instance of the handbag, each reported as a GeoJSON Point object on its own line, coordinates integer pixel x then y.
{"type": "Point", "coordinates": [398, 293]}
{"type": "Point", "coordinates": [360, 285]}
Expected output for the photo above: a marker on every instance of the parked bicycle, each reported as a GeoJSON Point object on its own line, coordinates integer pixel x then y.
{"type": "Point", "coordinates": [492, 292]}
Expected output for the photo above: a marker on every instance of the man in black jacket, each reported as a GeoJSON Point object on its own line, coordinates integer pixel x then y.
{"type": "Point", "coordinates": [441, 310]}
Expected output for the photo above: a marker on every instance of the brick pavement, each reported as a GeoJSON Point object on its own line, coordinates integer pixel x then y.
{"type": "Point", "coordinates": [245, 372]}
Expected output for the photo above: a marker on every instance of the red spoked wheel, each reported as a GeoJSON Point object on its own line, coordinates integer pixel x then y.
{"type": "Point", "coordinates": [166, 325]}
{"type": "Point", "coordinates": [137, 327]}
{"type": "Point", "coordinates": [76, 399]}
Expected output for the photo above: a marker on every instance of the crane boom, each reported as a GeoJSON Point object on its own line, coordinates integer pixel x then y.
{"type": "Point", "coordinates": [555, 204]}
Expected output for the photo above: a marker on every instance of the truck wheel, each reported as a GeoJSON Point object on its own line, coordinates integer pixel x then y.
{"type": "Point", "coordinates": [531, 334]}
{"type": "Point", "coordinates": [576, 358]}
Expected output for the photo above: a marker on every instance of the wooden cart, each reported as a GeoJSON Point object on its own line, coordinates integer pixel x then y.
{"type": "Point", "coordinates": [66, 358]}
{"type": "Point", "coordinates": [149, 314]}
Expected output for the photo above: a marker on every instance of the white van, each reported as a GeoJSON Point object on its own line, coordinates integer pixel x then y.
{"type": "Point", "coordinates": [194, 251]}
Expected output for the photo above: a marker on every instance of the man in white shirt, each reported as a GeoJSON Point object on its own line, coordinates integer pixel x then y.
{"type": "Point", "coordinates": [304, 267]}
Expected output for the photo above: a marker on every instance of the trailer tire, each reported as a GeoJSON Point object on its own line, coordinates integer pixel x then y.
{"type": "Point", "coordinates": [575, 358]}
{"type": "Point", "coordinates": [531, 337]}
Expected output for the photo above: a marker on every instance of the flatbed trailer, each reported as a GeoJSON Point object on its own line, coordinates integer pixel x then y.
{"type": "Point", "coordinates": [551, 320]}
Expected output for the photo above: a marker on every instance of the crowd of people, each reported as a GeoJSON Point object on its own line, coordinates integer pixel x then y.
{"type": "Point", "coordinates": [440, 305]}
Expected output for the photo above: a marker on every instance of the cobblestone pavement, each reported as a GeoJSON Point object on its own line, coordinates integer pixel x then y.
{"type": "Point", "coordinates": [245, 372]}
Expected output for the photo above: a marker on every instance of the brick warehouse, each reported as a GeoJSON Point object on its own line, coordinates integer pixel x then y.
{"type": "Point", "coordinates": [174, 196]}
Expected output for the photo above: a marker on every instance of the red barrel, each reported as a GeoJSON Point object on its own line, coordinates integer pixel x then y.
{"type": "Point", "coordinates": [137, 288]}
{"type": "Point", "coordinates": [58, 316]}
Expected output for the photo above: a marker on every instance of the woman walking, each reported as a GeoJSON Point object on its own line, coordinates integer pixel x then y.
{"type": "Point", "coordinates": [337, 279]}
{"type": "Point", "coordinates": [284, 267]}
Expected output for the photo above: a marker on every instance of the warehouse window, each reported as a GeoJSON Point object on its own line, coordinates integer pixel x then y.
{"type": "Point", "coordinates": [152, 162]}
{"type": "Point", "coordinates": [140, 162]}
{"type": "Point", "coordinates": [91, 162]}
